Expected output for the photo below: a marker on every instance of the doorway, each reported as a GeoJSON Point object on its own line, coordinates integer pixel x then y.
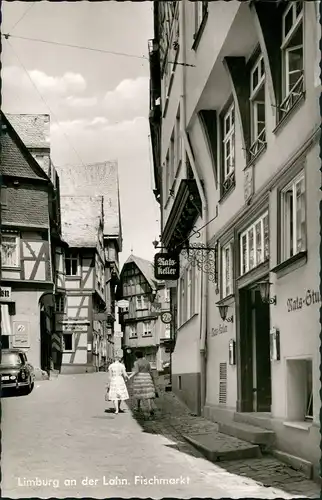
{"type": "Point", "coordinates": [255, 363]}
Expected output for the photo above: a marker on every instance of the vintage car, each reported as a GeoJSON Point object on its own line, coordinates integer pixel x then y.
{"type": "Point", "coordinates": [16, 373]}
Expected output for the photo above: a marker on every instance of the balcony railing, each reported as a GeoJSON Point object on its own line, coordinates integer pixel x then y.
{"type": "Point", "coordinates": [258, 145]}
{"type": "Point", "coordinates": [295, 94]}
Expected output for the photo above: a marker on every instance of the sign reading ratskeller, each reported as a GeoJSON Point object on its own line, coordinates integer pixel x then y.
{"type": "Point", "coordinates": [166, 266]}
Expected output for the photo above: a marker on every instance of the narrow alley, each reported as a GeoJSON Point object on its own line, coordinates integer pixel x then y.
{"type": "Point", "coordinates": [63, 441]}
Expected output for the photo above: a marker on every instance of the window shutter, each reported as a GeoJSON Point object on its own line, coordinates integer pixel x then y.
{"type": "Point", "coordinates": [223, 383]}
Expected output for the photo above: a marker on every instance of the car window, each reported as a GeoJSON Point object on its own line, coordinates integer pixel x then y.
{"type": "Point", "coordinates": [10, 359]}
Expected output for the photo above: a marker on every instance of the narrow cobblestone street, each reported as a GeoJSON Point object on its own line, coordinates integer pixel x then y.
{"type": "Point", "coordinates": [63, 433]}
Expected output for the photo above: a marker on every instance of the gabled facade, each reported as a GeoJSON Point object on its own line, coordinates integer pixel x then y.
{"type": "Point", "coordinates": [81, 317]}
{"type": "Point", "coordinates": [239, 173]}
{"type": "Point", "coordinates": [30, 238]}
{"type": "Point", "coordinates": [141, 322]}
{"type": "Point", "coordinates": [92, 181]}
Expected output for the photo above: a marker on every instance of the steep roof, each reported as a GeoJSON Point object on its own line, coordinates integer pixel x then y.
{"type": "Point", "coordinates": [81, 218]}
{"type": "Point", "coordinates": [34, 130]}
{"type": "Point", "coordinates": [16, 160]}
{"type": "Point", "coordinates": [147, 269]}
{"type": "Point", "coordinates": [92, 180]}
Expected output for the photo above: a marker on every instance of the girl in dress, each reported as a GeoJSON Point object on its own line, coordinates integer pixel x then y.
{"type": "Point", "coordinates": [143, 383]}
{"type": "Point", "coordinates": [117, 389]}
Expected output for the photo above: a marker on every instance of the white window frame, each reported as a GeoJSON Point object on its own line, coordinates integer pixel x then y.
{"type": "Point", "coordinates": [133, 332]}
{"type": "Point", "coordinates": [141, 302]}
{"type": "Point", "coordinates": [201, 8]}
{"type": "Point", "coordinates": [254, 102]}
{"type": "Point", "coordinates": [286, 48]}
{"type": "Point", "coordinates": [167, 175]}
{"type": "Point", "coordinates": [73, 342]}
{"type": "Point", "coordinates": [60, 304]}
{"type": "Point", "coordinates": [178, 151]}
{"type": "Point", "coordinates": [252, 227]}
{"type": "Point", "coordinates": [227, 286]}
{"type": "Point", "coordinates": [172, 158]}
{"type": "Point", "coordinates": [188, 277]}
{"type": "Point", "coordinates": [16, 263]}
{"type": "Point", "coordinates": [183, 314]}
{"type": "Point", "coordinates": [287, 252]}
{"type": "Point", "coordinates": [229, 137]}
{"type": "Point", "coordinates": [167, 295]}
{"type": "Point", "coordinates": [72, 257]}
{"type": "Point", "coordinates": [147, 331]}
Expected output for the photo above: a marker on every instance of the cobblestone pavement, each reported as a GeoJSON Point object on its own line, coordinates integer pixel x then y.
{"type": "Point", "coordinates": [61, 434]}
{"type": "Point", "coordinates": [174, 419]}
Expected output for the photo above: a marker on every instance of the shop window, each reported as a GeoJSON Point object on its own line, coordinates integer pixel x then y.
{"type": "Point", "coordinates": [72, 265]}
{"type": "Point", "coordinates": [299, 390]}
{"type": "Point", "coordinates": [293, 227]}
{"type": "Point", "coordinates": [68, 342]}
{"type": "Point", "coordinates": [292, 56]}
{"type": "Point", "coordinates": [257, 107]}
{"type": "Point", "coordinates": [254, 244]}
{"type": "Point", "coordinates": [227, 270]}
{"type": "Point", "coordinates": [10, 255]}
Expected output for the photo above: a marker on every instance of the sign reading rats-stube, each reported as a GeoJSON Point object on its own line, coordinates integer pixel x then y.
{"type": "Point", "coordinates": [166, 266]}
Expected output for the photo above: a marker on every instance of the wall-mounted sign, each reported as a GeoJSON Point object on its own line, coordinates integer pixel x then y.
{"type": "Point", "coordinates": [309, 298]}
{"type": "Point", "coordinates": [166, 317]}
{"type": "Point", "coordinates": [220, 330]}
{"type": "Point", "coordinates": [118, 334]}
{"type": "Point", "coordinates": [232, 352]}
{"type": "Point", "coordinates": [74, 326]}
{"type": "Point", "coordinates": [20, 334]}
{"type": "Point", "coordinates": [166, 266]}
{"type": "Point", "coordinates": [123, 304]}
{"type": "Point", "coordinates": [274, 336]}
{"type": "Point", "coordinates": [5, 293]}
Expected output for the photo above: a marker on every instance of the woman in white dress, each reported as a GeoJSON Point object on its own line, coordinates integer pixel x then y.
{"type": "Point", "coordinates": [117, 388]}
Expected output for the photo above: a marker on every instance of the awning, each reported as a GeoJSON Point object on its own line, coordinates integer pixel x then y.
{"type": "Point", "coordinates": [5, 320]}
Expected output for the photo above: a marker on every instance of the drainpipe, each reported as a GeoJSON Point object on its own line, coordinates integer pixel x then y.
{"type": "Point", "coordinates": [187, 149]}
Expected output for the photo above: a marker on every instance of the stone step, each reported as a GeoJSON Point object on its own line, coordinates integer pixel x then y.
{"type": "Point", "coordinates": [296, 463]}
{"type": "Point", "coordinates": [217, 447]}
{"type": "Point", "coordinates": [262, 420]}
{"type": "Point", "coordinates": [249, 433]}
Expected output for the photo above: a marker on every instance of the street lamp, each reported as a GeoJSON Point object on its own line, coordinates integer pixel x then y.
{"type": "Point", "coordinates": [223, 314]}
{"type": "Point", "coordinates": [264, 287]}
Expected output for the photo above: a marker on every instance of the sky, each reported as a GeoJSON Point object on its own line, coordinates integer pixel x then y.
{"type": "Point", "coordinates": [98, 102]}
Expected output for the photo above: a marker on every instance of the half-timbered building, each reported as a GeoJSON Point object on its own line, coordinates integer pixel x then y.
{"type": "Point", "coordinates": [92, 180]}
{"type": "Point", "coordinates": [81, 313]}
{"type": "Point", "coordinates": [143, 329]}
{"type": "Point", "coordinates": [30, 235]}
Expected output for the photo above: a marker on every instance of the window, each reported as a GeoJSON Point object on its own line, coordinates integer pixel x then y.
{"type": "Point", "coordinates": [257, 106]}
{"type": "Point", "coordinates": [177, 142]}
{"type": "Point", "coordinates": [68, 342]}
{"type": "Point", "coordinates": [228, 149]}
{"type": "Point", "coordinates": [4, 196]}
{"type": "Point", "coordinates": [172, 160]}
{"type": "Point", "coordinates": [299, 389]}
{"type": "Point", "coordinates": [167, 332]}
{"type": "Point", "coordinates": [141, 302]}
{"type": "Point", "coordinates": [72, 264]}
{"type": "Point", "coordinates": [188, 294]}
{"type": "Point", "coordinates": [201, 9]}
{"type": "Point", "coordinates": [182, 301]}
{"type": "Point", "coordinates": [10, 256]}
{"type": "Point", "coordinates": [309, 391]}
{"type": "Point", "coordinates": [227, 275]}
{"type": "Point", "coordinates": [147, 329]}
{"type": "Point", "coordinates": [167, 176]}
{"type": "Point", "coordinates": [60, 303]}
{"type": "Point", "coordinates": [167, 295]}
{"type": "Point", "coordinates": [254, 245]}
{"type": "Point", "coordinates": [293, 218]}
{"type": "Point", "coordinates": [292, 54]}
{"type": "Point", "coordinates": [132, 331]}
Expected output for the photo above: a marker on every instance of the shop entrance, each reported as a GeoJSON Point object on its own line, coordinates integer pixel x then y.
{"type": "Point", "coordinates": [255, 363]}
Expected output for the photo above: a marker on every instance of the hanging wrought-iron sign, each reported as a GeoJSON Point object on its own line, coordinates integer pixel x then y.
{"type": "Point", "coordinates": [204, 258]}
{"type": "Point", "coordinates": [166, 266]}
